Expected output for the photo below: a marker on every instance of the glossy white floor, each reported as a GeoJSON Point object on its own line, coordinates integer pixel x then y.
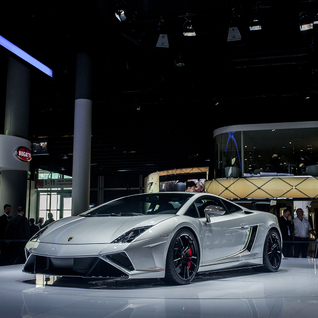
{"type": "Point", "coordinates": [292, 293]}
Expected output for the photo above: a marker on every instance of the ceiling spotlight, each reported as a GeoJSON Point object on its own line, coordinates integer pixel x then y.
{"type": "Point", "coordinates": [163, 37]}
{"type": "Point", "coordinates": [163, 41]}
{"type": "Point", "coordinates": [307, 26]}
{"type": "Point", "coordinates": [188, 29]}
{"type": "Point", "coordinates": [304, 22]}
{"type": "Point", "coordinates": [179, 62]}
{"type": "Point", "coordinates": [234, 34]}
{"type": "Point", "coordinates": [255, 25]}
{"type": "Point", "coordinates": [120, 15]}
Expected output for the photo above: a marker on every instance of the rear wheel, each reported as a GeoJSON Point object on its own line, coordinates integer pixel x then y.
{"type": "Point", "coordinates": [272, 255]}
{"type": "Point", "coordinates": [183, 258]}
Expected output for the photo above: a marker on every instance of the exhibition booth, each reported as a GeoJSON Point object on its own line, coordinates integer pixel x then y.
{"type": "Point", "coordinates": [267, 167]}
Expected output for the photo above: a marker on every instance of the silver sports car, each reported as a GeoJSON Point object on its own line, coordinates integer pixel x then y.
{"type": "Point", "coordinates": [170, 235]}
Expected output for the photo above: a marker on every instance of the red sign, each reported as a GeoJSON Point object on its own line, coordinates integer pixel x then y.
{"type": "Point", "coordinates": [24, 154]}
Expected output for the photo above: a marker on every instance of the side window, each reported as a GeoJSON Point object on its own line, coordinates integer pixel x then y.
{"type": "Point", "coordinates": [231, 208]}
{"type": "Point", "coordinates": [192, 211]}
{"type": "Point", "coordinates": [202, 203]}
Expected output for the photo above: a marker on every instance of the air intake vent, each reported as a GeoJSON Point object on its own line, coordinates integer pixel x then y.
{"type": "Point", "coordinates": [122, 260]}
{"type": "Point", "coordinates": [80, 267]}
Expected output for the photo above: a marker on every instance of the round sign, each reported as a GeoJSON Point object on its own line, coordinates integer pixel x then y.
{"type": "Point", "coordinates": [24, 154]}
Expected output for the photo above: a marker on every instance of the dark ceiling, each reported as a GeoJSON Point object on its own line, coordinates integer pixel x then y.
{"type": "Point", "coordinates": [149, 113]}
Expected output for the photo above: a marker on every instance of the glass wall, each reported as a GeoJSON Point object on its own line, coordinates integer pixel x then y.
{"type": "Point", "coordinates": [267, 152]}
{"type": "Point", "coordinates": [57, 201]}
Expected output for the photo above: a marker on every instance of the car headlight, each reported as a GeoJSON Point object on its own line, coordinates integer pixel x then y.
{"type": "Point", "coordinates": [37, 235]}
{"type": "Point", "coordinates": [131, 235]}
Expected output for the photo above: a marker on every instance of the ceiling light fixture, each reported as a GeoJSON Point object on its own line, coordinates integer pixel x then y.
{"type": "Point", "coordinates": [255, 25]}
{"type": "Point", "coordinates": [120, 15]}
{"type": "Point", "coordinates": [188, 29]}
{"type": "Point", "coordinates": [179, 62]}
{"type": "Point", "coordinates": [234, 34]}
{"type": "Point", "coordinates": [163, 41]}
{"type": "Point", "coordinates": [305, 23]}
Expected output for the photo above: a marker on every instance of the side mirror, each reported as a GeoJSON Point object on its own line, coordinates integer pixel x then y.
{"type": "Point", "coordinates": [213, 210]}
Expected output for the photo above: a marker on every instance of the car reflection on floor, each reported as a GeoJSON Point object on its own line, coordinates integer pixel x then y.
{"type": "Point", "coordinates": [79, 282]}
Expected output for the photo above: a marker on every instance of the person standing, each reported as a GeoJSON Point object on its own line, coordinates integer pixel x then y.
{"type": "Point", "coordinates": [4, 245]}
{"type": "Point", "coordinates": [33, 228]}
{"type": "Point", "coordinates": [287, 227]}
{"type": "Point", "coordinates": [190, 186]}
{"type": "Point", "coordinates": [301, 229]}
{"type": "Point", "coordinates": [18, 232]}
{"type": "Point", "coordinates": [49, 220]}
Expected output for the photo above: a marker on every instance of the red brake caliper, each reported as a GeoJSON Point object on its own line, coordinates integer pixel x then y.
{"type": "Point", "coordinates": [190, 258]}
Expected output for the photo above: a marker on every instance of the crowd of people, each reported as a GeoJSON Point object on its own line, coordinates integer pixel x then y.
{"type": "Point", "coordinates": [14, 233]}
{"type": "Point", "coordinates": [295, 233]}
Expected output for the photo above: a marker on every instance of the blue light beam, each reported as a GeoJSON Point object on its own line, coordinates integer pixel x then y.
{"type": "Point", "coordinates": [231, 136]}
{"type": "Point", "coordinates": [25, 56]}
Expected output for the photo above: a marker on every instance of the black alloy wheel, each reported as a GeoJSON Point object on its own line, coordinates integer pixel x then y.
{"type": "Point", "coordinates": [183, 258]}
{"type": "Point", "coordinates": [272, 256]}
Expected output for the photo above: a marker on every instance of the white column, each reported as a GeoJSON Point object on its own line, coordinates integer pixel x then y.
{"type": "Point", "coordinates": [14, 182]}
{"type": "Point", "coordinates": [82, 135]}
{"type": "Point", "coordinates": [17, 99]}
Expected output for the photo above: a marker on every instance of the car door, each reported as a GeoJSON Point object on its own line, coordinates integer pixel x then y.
{"type": "Point", "coordinates": [225, 236]}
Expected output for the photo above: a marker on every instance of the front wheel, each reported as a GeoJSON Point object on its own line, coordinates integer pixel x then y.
{"type": "Point", "coordinates": [272, 255]}
{"type": "Point", "coordinates": [183, 258]}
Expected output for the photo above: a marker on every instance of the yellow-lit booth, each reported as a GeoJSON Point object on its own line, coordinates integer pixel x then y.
{"type": "Point", "coordinates": [266, 161]}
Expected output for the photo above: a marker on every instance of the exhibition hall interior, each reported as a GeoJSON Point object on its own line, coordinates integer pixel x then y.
{"type": "Point", "coordinates": [104, 99]}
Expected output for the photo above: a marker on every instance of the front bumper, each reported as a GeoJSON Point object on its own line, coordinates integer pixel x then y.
{"type": "Point", "coordinates": [141, 259]}
{"type": "Point", "coordinates": [80, 267]}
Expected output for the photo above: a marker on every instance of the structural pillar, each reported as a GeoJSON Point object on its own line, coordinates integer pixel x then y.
{"type": "Point", "coordinates": [82, 134]}
{"type": "Point", "coordinates": [13, 187]}
{"type": "Point", "coordinates": [100, 190]}
{"type": "Point", "coordinates": [17, 99]}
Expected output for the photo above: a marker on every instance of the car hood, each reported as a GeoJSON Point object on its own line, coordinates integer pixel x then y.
{"type": "Point", "coordinates": [95, 230]}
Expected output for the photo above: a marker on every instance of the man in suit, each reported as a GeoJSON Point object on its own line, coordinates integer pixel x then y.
{"type": "Point", "coordinates": [18, 232]}
{"type": "Point", "coordinates": [49, 220]}
{"type": "Point", "coordinates": [287, 228]}
{"type": "Point", "coordinates": [33, 228]}
{"type": "Point", "coordinates": [4, 245]}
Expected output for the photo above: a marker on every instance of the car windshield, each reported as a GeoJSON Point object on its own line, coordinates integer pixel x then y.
{"type": "Point", "coordinates": [146, 204]}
